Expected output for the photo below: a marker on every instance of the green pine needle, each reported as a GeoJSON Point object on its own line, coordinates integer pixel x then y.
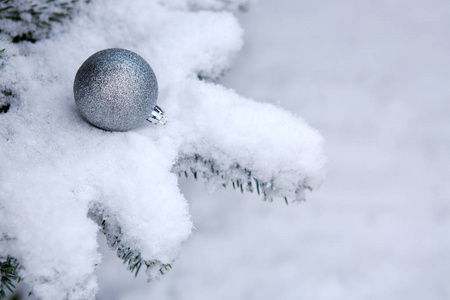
{"type": "Point", "coordinates": [113, 233]}
{"type": "Point", "coordinates": [9, 269]}
{"type": "Point", "coordinates": [241, 178]}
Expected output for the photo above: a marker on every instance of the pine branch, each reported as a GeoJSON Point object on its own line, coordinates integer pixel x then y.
{"type": "Point", "coordinates": [29, 20]}
{"type": "Point", "coordinates": [33, 19]}
{"type": "Point", "coordinates": [6, 95]}
{"type": "Point", "coordinates": [113, 234]}
{"type": "Point", "coordinates": [9, 269]}
{"type": "Point", "coordinates": [237, 176]}
{"type": "Point", "coordinates": [10, 266]}
{"type": "Point", "coordinates": [5, 100]}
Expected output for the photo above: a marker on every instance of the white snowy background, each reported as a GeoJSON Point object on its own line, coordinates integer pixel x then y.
{"type": "Point", "coordinates": [374, 78]}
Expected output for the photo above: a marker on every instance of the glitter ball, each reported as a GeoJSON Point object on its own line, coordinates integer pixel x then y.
{"type": "Point", "coordinates": [115, 89]}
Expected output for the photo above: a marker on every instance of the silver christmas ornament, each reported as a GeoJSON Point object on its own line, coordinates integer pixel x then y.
{"type": "Point", "coordinates": [116, 89]}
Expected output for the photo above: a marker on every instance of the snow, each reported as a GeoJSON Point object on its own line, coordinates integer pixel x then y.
{"type": "Point", "coordinates": [373, 78]}
{"type": "Point", "coordinates": [56, 168]}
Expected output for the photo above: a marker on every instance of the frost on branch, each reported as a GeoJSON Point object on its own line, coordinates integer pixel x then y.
{"type": "Point", "coordinates": [62, 180]}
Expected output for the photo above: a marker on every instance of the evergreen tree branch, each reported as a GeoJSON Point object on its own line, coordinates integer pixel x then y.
{"type": "Point", "coordinates": [32, 18]}
{"type": "Point", "coordinates": [113, 233]}
{"type": "Point", "coordinates": [234, 175]}
{"type": "Point", "coordinates": [9, 270]}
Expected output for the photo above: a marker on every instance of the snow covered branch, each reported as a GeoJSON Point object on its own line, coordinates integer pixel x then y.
{"type": "Point", "coordinates": [9, 269]}
{"type": "Point", "coordinates": [31, 20]}
{"type": "Point", "coordinates": [113, 232]}
{"type": "Point", "coordinates": [63, 180]}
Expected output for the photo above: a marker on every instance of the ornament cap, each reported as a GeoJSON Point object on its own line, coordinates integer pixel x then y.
{"type": "Point", "coordinates": [157, 116]}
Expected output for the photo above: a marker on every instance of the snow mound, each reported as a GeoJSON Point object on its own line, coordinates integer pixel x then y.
{"type": "Point", "coordinates": [62, 179]}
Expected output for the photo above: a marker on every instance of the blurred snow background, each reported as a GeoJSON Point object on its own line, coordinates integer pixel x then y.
{"type": "Point", "coordinates": [373, 77]}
